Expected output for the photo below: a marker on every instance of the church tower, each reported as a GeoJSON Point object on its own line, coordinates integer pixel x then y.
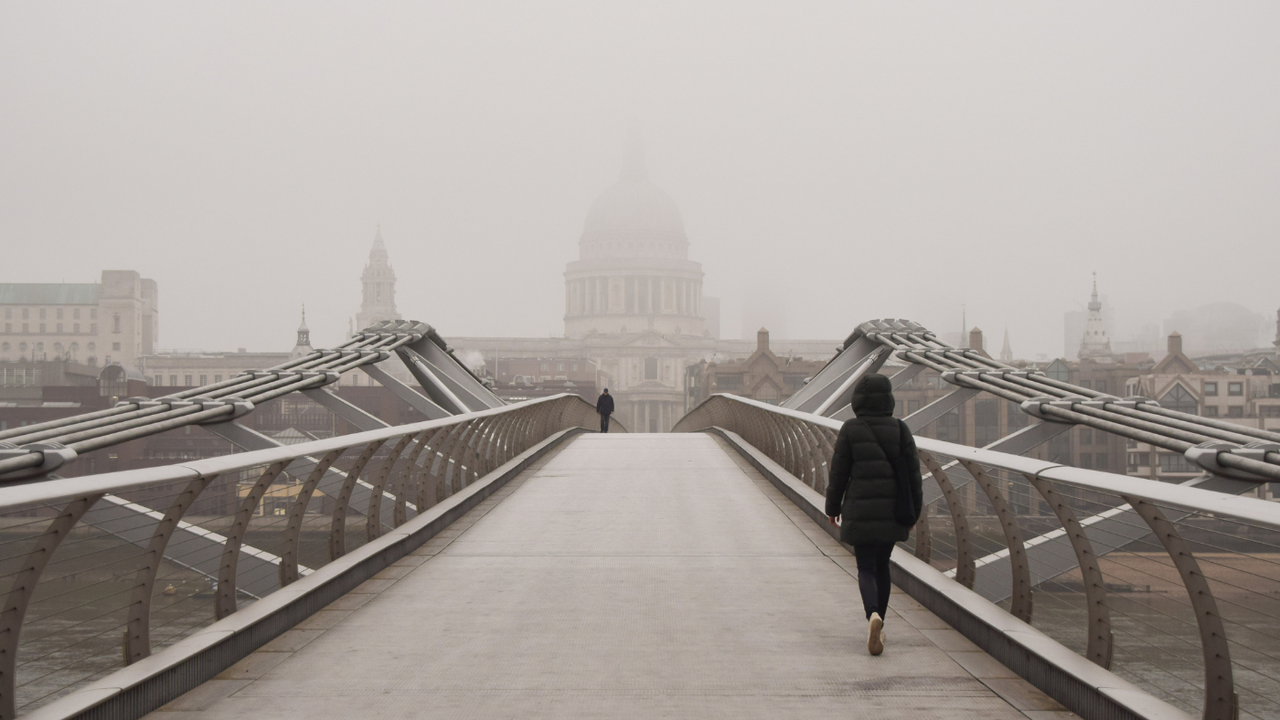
{"type": "Point", "coordinates": [1095, 343]}
{"type": "Point", "coordinates": [378, 302]}
{"type": "Point", "coordinates": [303, 345]}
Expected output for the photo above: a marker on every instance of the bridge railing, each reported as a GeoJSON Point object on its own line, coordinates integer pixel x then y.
{"type": "Point", "coordinates": [1174, 589]}
{"type": "Point", "coordinates": [100, 571]}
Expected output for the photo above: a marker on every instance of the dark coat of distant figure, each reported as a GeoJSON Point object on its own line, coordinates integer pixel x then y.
{"type": "Point", "coordinates": [862, 487]}
{"type": "Point", "coordinates": [604, 406]}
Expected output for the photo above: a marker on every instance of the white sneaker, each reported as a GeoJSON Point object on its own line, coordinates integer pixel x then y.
{"type": "Point", "coordinates": [875, 635]}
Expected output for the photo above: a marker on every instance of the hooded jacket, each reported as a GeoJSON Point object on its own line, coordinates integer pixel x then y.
{"type": "Point", "coordinates": [862, 486]}
{"type": "Point", "coordinates": [604, 405]}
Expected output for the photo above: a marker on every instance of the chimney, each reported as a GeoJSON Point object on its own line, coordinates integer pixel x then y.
{"type": "Point", "coordinates": [975, 339]}
{"type": "Point", "coordinates": [1175, 343]}
{"type": "Point", "coordinates": [762, 340]}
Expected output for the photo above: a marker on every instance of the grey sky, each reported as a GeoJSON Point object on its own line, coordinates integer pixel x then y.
{"type": "Point", "coordinates": [841, 161]}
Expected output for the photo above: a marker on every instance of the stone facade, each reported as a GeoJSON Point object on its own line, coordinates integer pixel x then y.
{"type": "Point", "coordinates": [115, 321]}
{"type": "Point", "coordinates": [762, 376]}
{"type": "Point", "coordinates": [634, 306]}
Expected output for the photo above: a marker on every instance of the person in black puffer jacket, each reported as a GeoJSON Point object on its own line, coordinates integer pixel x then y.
{"type": "Point", "coordinates": [862, 492]}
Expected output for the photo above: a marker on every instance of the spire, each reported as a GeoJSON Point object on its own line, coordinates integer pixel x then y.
{"type": "Point", "coordinates": [378, 253]}
{"type": "Point", "coordinates": [964, 327]}
{"type": "Point", "coordinates": [1006, 352]}
{"type": "Point", "coordinates": [1094, 304]}
{"type": "Point", "coordinates": [303, 346]}
{"type": "Point", "coordinates": [633, 167]}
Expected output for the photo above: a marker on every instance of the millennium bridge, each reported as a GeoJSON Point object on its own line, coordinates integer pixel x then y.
{"type": "Point", "coordinates": [500, 560]}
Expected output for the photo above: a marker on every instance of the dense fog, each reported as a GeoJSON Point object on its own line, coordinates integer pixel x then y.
{"type": "Point", "coordinates": [834, 162]}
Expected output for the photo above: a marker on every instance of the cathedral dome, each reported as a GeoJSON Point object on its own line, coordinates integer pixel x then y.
{"type": "Point", "coordinates": [634, 207]}
{"type": "Point", "coordinates": [634, 218]}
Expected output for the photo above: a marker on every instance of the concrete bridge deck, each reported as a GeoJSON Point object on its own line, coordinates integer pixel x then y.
{"type": "Point", "coordinates": [622, 576]}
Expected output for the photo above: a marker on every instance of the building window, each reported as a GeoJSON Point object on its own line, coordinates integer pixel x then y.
{"type": "Point", "coordinates": [173, 380]}
{"type": "Point", "coordinates": [159, 380]}
{"type": "Point", "coordinates": [186, 380]}
{"type": "Point", "coordinates": [115, 323]}
{"type": "Point", "coordinates": [59, 328]}
{"type": "Point", "coordinates": [1175, 463]}
{"type": "Point", "coordinates": [559, 367]}
{"type": "Point", "coordinates": [1269, 411]}
{"type": "Point", "coordinates": [1100, 461]}
{"type": "Point", "coordinates": [728, 383]}
{"type": "Point", "coordinates": [1086, 384]}
{"type": "Point", "coordinates": [93, 346]}
{"type": "Point", "coordinates": [1235, 411]}
{"type": "Point", "coordinates": [26, 328]}
{"type": "Point", "coordinates": [1100, 386]}
{"type": "Point", "coordinates": [650, 368]}
{"type": "Point", "coordinates": [1139, 459]}
{"type": "Point", "coordinates": [43, 314]}
{"type": "Point", "coordinates": [26, 313]}
{"type": "Point", "coordinates": [204, 380]}
{"type": "Point", "coordinates": [1211, 411]}
{"type": "Point", "coordinates": [59, 313]}
{"type": "Point", "coordinates": [1211, 388]}
{"type": "Point", "coordinates": [115, 347]}
{"type": "Point", "coordinates": [93, 313]}
{"type": "Point", "coordinates": [1180, 399]}
{"type": "Point", "coordinates": [1086, 436]}
{"type": "Point", "coordinates": [986, 422]}
{"type": "Point", "coordinates": [546, 366]}
{"type": "Point", "coordinates": [8, 327]}
{"type": "Point", "coordinates": [8, 313]}
{"type": "Point", "coordinates": [76, 328]}
{"type": "Point", "coordinates": [1235, 388]}
{"type": "Point", "coordinates": [76, 313]}
{"type": "Point", "coordinates": [913, 406]}
{"type": "Point", "coordinates": [217, 378]}
{"type": "Point", "coordinates": [42, 328]}
{"type": "Point", "coordinates": [1086, 461]}
{"type": "Point", "coordinates": [949, 426]}
{"type": "Point", "coordinates": [575, 367]}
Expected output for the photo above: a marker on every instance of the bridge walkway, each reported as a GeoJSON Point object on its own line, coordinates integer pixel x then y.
{"type": "Point", "coordinates": [622, 576]}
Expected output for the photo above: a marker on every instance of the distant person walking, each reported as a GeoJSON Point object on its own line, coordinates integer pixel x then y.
{"type": "Point", "coordinates": [874, 493]}
{"type": "Point", "coordinates": [604, 406]}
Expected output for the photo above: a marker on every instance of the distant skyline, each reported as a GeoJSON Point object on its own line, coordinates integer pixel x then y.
{"type": "Point", "coordinates": [833, 165]}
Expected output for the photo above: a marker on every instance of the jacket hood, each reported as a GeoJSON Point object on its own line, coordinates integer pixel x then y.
{"type": "Point", "coordinates": [873, 396]}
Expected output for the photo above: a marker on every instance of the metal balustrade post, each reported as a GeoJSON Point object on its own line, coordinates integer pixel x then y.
{"type": "Point", "coordinates": [224, 601]}
{"type": "Point", "coordinates": [965, 570]}
{"type": "Point", "coordinates": [297, 514]}
{"type": "Point", "coordinates": [400, 515]}
{"type": "Point", "coordinates": [423, 474]}
{"type": "Point", "coordinates": [1020, 604]}
{"type": "Point", "coordinates": [24, 586]}
{"type": "Point", "coordinates": [137, 635]}
{"type": "Point", "coordinates": [1100, 641]}
{"type": "Point", "coordinates": [373, 517]}
{"type": "Point", "coordinates": [924, 540]}
{"type": "Point", "coordinates": [338, 525]}
{"type": "Point", "coordinates": [442, 459]}
{"type": "Point", "coordinates": [1220, 701]}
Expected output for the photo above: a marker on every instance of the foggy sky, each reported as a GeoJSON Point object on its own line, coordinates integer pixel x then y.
{"type": "Point", "coordinates": [836, 161]}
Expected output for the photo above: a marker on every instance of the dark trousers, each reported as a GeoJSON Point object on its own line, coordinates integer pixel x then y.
{"type": "Point", "coordinates": [873, 576]}
{"type": "Point", "coordinates": [604, 422]}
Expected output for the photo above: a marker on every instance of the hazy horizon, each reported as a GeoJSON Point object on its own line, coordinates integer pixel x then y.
{"type": "Point", "coordinates": [833, 164]}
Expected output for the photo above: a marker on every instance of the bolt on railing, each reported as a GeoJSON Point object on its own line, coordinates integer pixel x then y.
{"type": "Point", "coordinates": [101, 571]}
{"type": "Point", "coordinates": [1134, 575]}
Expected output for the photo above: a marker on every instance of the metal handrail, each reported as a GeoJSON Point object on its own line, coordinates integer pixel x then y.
{"type": "Point", "coordinates": [784, 436]}
{"type": "Point", "coordinates": [418, 464]}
